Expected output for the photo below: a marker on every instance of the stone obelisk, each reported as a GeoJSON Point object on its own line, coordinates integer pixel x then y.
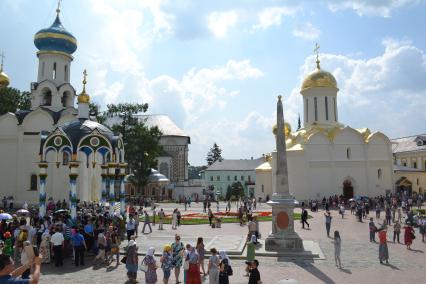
{"type": "Point", "coordinates": [283, 238]}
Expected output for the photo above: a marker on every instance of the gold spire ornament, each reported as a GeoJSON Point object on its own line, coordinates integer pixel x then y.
{"type": "Point", "coordinates": [84, 98]}
{"type": "Point", "coordinates": [4, 79]}
{"type": "Point", "coordinates": [316, 51]}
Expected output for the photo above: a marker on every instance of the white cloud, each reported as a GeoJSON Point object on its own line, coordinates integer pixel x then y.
{"type": "Point", "coordinates": [369, 7]}
{"type": "Point", "coordinates": [385, 93]}
{"type": "Point", "coordinates": [306, 31]}
{"type": "Point", "coordinates": [273, 16]}
{"type": "Point", "coordinates": [220, 22]}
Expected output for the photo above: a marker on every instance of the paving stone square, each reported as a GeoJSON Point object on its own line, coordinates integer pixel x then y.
{"type": "Point", "coordinates": [359, 256]}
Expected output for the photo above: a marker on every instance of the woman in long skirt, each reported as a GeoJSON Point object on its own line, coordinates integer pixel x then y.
{"type": "Point", "coordinates": [132, 261]}
{"type": "Point", "coordinates": [45, 248]}
{"type": "Point", "coordinates": [383, 246]}
{"type": "Point", "coordinates": [408, 235]}
{"type": "Point", "coordinates": [193, 273]}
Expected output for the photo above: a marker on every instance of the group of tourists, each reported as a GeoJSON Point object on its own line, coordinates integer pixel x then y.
{"type": "Point", "coordinates": [399, 214]}
{"type": "Point", "coordinates": [178, 257]}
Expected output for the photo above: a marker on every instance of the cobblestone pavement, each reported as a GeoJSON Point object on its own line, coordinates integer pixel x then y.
{"type": "Point", "coordinates": [359, 257]}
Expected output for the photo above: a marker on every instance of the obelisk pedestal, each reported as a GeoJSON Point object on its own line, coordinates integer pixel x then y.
{"type": "Point", "coordinates": [283, 237]}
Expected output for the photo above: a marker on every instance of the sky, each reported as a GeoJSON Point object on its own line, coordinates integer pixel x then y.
{"type": "Point", "coordinates": [217, 67]}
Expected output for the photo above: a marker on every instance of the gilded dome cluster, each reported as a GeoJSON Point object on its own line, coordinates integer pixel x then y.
{"type": "Point", "coordinates": [55, 39]}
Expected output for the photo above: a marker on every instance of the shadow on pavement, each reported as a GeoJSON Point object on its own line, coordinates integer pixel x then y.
{"type": "Point", "coordinates": [315, 271]}
{"type": "Point", "coordinates": [392, 266]}
{"type": "Point", "coordinates": [417, 250]}
{"type": "Point", "coordinates": [345, 270]}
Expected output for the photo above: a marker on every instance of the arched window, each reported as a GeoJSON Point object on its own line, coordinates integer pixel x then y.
{"type": "Point", "coordinates": [65, 99]}
{"type": "Point", "coordinates": [33, 182]}
{"type": "Point", "coordinates": [335, 109]}
{"type": "Point", "coordinates": [307, 110]}
{"type": "Point", "coordinates": [316, 108]}
{"type": "Point", "coordinates": [348, 153]}
{"type": "Point", "coordinates": [54, 71]}
{"type": "Point", "coordinates": [47, 97]}
{"type": "Point", "coordinates": [415, 165]}
{"type": "Point", "coordinates": [66, 73]}
{"type": "Point", "coordinates": [65, 158]}
{"type": "Point", "coordinates": [379, 173]}
{"type": "Point", "coordinates": [326, 108]}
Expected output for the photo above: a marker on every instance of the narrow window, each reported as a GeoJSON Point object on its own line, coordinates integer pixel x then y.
{"type": "Point", "coordinates": [425, 166]}
{"type": "Point", "coordinates": [415, 165]}
{"type": "Point", "coordinates": [54, 71]}
{"type": "Point", "coordinates": [218, 178]}
{"type": "Point", "coordinates": [211, 178]}
{"type": "Point", "coordinates": [42, 69]}
{"type": "Point", "coordinates": [263, 188]}
{"type": "Point", "coordinates": [405, 164]}
{"type": "Point", "coordinates": [379, 173]}
{"type": "Point", "coordinates": [348, 153]}
{"type": "Point", "coordinates": [242, 177]}
{"type": "Point", "coordinates": [307, 111]}
{"type": "Point", "coordinates": [235, 178]}
{"type": "Point", "coordinates": [417, 181]}
{"type": "Point", "coordinates": [229, 178]}
{"type": "Point", "coordinates": [335, 109]}
{"type": "Point", "coordinates": [33, 182]}
{"type": "Point", "coordinates": [66, 73]}
{"type": "Point", "coordinates": [249, 178]}
{"type": "Point", "coordinates": [316, 109]}
{"type": "Point", "coordinates": [326, 108]}
{"type": "Point", "coordinates": [65, 158]}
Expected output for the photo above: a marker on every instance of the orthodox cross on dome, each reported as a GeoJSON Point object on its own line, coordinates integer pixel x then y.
{"type": "Point", "coordinates": [316, 51]}
{"type": "Point", "coordinates": [2, 59]}
{"type": "Point", "coordinates": [84, 80]}
{"type": "Point", "coordinates": [58, 9]}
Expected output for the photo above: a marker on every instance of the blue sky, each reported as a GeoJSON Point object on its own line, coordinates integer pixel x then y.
{"type": "Point", "coordinates": [216, 67]}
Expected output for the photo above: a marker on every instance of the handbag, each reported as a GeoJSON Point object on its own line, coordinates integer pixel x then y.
{"type": "Point", "coordinates": [143, 267]}
{"type": "Point", "coordinates": [124, 259]}
{"type": "Point", "coordinates": [186, 265]}
{"type": "Point", "coordinates": [413, 236]}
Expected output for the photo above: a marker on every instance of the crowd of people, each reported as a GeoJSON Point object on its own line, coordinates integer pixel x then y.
{"type": "Point", "coordinates": [399, 213]}
{"type": "Point", "coordinates": [97, 234]}
{"type": "Point", "coordinates": [180, 258]}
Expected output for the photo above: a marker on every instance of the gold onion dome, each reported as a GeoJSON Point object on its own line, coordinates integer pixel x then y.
{"type": "Point", "coordinates": [287, 129]}
{"type": "Point", "coordinates": [319, 78]}
{"type": "Point", "coordinates": [84, 98]}
{"type": "Point", "coordinates": [4, 79]}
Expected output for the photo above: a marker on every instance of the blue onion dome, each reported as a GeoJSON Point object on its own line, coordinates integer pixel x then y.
{"type": "Point", "coordinates": [55, 38]}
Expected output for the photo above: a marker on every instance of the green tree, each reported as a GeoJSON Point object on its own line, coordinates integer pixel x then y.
{"type": "Point", "coordinates": [215, 154]}
{"type": "Point", "coordinates": [12, 99]}
{"type": "Point", "coordinates": [228, 193]}
{"type": "Point", "coordinates": [142, 151]}
{"type": "Point", "coordinates": [194, 171]}
{"type": "Point", "coordinates": [237, 189]}
{"type": "Point", "coordinates": [95, 110]}
{"type": "Point", "coordinates": [141, 143]}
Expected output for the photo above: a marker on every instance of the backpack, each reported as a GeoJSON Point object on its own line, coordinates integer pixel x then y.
{"type": "Point", "coordinates": [23, 235]}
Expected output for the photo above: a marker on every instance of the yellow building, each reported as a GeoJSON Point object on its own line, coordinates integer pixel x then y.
{"type": "Point", "coordinates": [410, 163]}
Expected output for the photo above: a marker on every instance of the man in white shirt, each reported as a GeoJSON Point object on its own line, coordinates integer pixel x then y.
{"type": "Point", "coordinates": [57, 241]}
